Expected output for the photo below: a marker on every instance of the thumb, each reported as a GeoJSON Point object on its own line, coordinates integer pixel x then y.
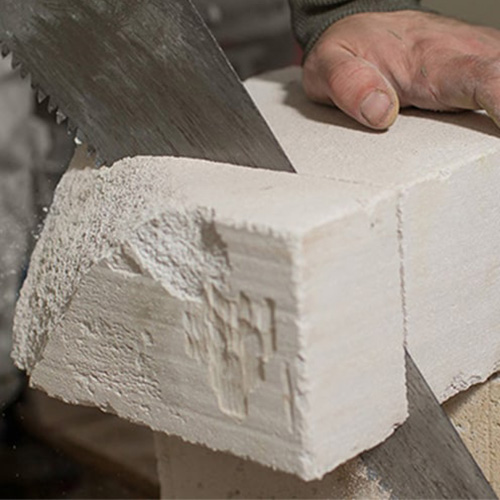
{"type": "Point", "coordinates": [359, 89]}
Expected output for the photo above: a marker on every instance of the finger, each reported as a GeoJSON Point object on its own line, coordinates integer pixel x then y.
{"type": "Point", "coordinates": [470, 82]}
{"type": "Point", "coordinates": [359, 89]}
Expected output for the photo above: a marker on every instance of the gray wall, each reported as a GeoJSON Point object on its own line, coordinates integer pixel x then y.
{"type": "Point", "coordinates": [485, 12]}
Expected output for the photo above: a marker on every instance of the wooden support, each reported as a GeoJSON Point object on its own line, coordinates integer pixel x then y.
{"type": "Point", "coordinates": [476, 415]}
{"type": "Point", "coordinates": [264, 313]}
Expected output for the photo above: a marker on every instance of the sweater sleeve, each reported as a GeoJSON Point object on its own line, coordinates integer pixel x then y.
{"type": "Point", "coordinates": [310, 18]}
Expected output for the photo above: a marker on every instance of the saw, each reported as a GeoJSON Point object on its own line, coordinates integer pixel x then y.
{"type": "Point", "coordinates": [95, 59]}
{"type": "Point", "coordinates": [147, 78]}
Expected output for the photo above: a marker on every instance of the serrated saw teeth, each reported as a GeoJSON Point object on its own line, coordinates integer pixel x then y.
{"type": "Point", "coordinates": [60, 117]}
{"type": "Point", "coordinates": [4, 49]}
{"type": "Point", "coordinates": [15, 62]}
{"type": "Point", "coordinates": [51, 106]}
{"type": "Point", "coordinates": [41, 96]}
{"type": "Point", "coordinates": [107, 63]}
{"type": "Point", "coordinates": [80, 136]}
{"type": "Point", "coordinates": [71, 127]}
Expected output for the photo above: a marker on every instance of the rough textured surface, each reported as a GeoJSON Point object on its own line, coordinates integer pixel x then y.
{"type": "Point", "coordinates": [237, 321]}
{"type": "Point", "coordinates": [264, 313]}
{"type": "Point", "coordinates": [476, 415]}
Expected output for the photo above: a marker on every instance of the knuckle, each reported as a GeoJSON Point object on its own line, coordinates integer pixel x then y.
{"type": "Point", "coordinates": [312, 83]}
{"type": "Point", "coordinates": [489, 68]}
{"type": "Point", "coordinates": [347, 76]}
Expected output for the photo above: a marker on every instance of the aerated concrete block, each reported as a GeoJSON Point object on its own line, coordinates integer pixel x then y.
{"type": "Point", "coordinates": [234, 307]}
{"type": "Point", "coordinates": [264, 313]}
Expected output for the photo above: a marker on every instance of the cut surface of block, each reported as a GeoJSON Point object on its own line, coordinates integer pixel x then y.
{"type": "Point", "coordinates": [451, 232]}
{"type": "Point", "coordinates": [236, 308]}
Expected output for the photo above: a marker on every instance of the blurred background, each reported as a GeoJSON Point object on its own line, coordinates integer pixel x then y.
{"type": "Point", "coordinates": [49, 449]}
{"type": "Point", "coordinates": [486, 12]}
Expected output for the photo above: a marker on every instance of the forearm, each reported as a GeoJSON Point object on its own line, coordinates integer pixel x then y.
{"type": "Point", "coordinates": [310, 18]}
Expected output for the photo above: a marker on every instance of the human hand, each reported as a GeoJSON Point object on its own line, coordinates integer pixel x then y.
{"type": "Point", "coordinates": [371, 64]}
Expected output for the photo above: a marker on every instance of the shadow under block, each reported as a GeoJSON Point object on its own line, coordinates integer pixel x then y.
{"type": "Point", "coordinates": [264, 313]}
{"type": "Point", "coordinates": [192, 471]}
{"type": "Point", "coordinates": [104, 442]}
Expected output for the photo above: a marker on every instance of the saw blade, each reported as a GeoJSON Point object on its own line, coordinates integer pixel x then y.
{"type": "Point", "coordinates": [139, 78]}
{"type": "Point", "coordinates": [425, 457]}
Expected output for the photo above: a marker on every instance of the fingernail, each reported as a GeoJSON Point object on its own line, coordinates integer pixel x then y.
{"type": "Point", "coordinates": [376, 107]}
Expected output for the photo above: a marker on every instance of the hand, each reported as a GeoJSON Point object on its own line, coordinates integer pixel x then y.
{"type": "Point", "coordinates": [371, 64]}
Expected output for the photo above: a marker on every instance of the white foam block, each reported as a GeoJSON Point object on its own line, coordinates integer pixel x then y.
{"type": "Point", "coordinates": [251, 311]}
{"type": "Point", "coordinates": [261, 313]}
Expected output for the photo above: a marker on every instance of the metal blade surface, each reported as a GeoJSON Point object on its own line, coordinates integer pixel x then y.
{"type": "Point", "coordinates": [425, 457]}
{"type": "Point", "coordinates": [139, 78]}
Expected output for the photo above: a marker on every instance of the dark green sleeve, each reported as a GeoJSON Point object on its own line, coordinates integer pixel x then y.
{"type": "Point", "coordinates": [311, 17]}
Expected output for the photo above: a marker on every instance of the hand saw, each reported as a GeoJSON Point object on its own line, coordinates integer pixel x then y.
{"type": "Point", "coordinates": [147, 78]}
